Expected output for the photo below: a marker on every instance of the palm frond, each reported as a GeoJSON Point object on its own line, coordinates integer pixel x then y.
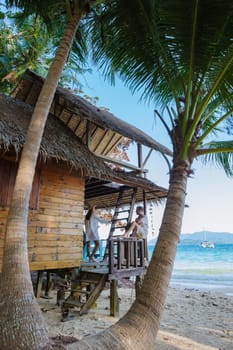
{"type": "Point", "coordinates": [51, 13]}
{"type": "Point", "coordinates": [215, 123]}
{"type": "Point", "coordinates": [152, 49]}
{"type": "Point", "coordinates": [80, 44]}
{"type": "Point", "coordinates": [220, 153]}
{"type": "Point", "coordinates": [119, 39]}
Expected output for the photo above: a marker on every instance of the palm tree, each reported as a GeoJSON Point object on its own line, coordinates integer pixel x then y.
{"type": "Point", "coordinates": [179, 55]}
{"type": "Point", "coordinates": [21, 323]}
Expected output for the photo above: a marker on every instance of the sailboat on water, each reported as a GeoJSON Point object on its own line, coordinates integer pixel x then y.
{"type": "Point", "coordinates": [205, 243]}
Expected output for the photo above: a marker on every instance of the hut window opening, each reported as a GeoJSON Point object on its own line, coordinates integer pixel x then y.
{"type": "Point", "coordinates": [8, 172]}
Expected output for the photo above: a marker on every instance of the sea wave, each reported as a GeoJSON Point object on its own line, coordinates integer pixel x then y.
{"type": "Point", "coordinates": [203, 269]}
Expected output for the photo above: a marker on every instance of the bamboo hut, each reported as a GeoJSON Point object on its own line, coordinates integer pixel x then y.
{"type": "Point", "coordinates": [72, 171]}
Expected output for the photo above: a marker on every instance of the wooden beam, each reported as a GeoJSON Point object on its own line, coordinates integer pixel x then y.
{"type": "Point", "coordinates": [100, 141]}
{"type": "Point", "coordinates": [127, 273]}
{"type": "Point", "coordinates": [88, 134]}
{"type": "Point", "coordinates": [147, 157]}
{"type": "Point", "coordinates": [69, 119]}
{"type": "Point", "coordinates": [77, 126]}
{"type": "Point", "coordinates": [111, 147]}
{"type": "Point", "coordinates": [95, 293]}
{"type": "Point", "coordinates": [121, 163]}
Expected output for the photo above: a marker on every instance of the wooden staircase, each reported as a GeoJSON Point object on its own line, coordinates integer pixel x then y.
{"type": "Point", "coordinates": [126, 195]}
{"type": "Point", "coordinates": [127, 258]}
{"type": "Point", "coordinates": [85, 291]}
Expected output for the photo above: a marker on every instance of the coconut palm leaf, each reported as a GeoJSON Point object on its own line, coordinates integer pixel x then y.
{"type": "Point", "coordinates": [220, 153]}
{"type": "Point", "coordinates": [49, 14]}
{"type": "Point", "coordinates": [23, 44]}
{"type": "Point", "coordinates": [54, 17]}
{"type": "Point", "coordinates": [170, 50]}
{"type": "Point", "coordinates": [27, 43]}
{"type": "Point", "coordinates": [155, 50]}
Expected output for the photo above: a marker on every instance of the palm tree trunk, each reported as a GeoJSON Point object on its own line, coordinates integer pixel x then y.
{"type": "Point", "coordinates": [139, 327]}
{"type": "Point", "coordinates": [21, 323]}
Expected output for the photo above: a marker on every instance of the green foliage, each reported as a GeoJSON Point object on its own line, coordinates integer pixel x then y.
{"type": "Point", "coordinates": [50, 12]}
{"type": "Point", "coordinates": [27, 42]}
{"type": "Point", "coordinates": [152, 51]}
{"type": "Point", "coordinates": [219, 153]}
{"type": "Point", "coordinates": [24, 44]}
{"type": "Point", "coordinates": [173, 52]}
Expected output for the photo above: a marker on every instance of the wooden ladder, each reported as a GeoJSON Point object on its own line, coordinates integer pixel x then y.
{"type": "Point", "coordinates": [125, 193]}
{"type": "Point", "coordinates": [85, 291]}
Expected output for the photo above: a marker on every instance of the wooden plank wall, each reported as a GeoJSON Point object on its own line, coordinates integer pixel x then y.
{"type": "Point", "coordinates": [55, 230]}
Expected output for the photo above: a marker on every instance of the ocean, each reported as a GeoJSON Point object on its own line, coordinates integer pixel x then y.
{"type": "Point", "coordinates": [205, 269]}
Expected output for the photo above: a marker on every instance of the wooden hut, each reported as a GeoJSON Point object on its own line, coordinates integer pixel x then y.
{"type": "Point", "coordinates": [72, 171]}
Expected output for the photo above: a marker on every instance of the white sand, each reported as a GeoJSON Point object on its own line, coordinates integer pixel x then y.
{"type": "Point", "coordinates": [192, 320]}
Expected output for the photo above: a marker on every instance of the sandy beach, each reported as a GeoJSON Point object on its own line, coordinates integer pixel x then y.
{"type": "Point", "coordinates": [192, 320]}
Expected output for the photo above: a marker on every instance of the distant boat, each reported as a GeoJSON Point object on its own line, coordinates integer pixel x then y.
{"type": "Point", "coordinates": [207, 244]}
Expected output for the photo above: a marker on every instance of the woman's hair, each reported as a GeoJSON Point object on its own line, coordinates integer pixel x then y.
{"type": "Point", "coordinates": [89, 213]}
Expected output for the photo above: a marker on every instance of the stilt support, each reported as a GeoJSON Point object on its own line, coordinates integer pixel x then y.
{"type": "Point", "coordinates": [138, 284]}
{"type": "Point", "coordinates": [39, 281]}
{"type": "Point", "coordinates": [114, 301]}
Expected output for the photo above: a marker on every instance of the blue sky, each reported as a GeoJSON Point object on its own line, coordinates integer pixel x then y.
{"type": "Point", "coordinates": [210, 192]}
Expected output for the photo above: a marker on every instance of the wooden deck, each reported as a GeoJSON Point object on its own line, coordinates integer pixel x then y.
{"type": "Point", "coordinates": [127, 257]}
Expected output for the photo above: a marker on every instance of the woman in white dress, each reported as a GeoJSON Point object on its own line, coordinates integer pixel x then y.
{"type": "Point", "coordinates": [139, 227]}
{"type": "Point", "coordinates": [92, 221]}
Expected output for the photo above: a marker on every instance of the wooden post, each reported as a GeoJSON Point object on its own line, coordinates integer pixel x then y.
{"type": "Point", "coordinates": [138, 285]}
{"type": "Point", "coordinates": [128, 253]}
{"type": "Point", "coordinates": [144, 202]}
{"type": "Point", "coordinates": [145, 249]}
{"type": "Point", "coordinates": [135, 247]}
{"type": "Point", "coordinates": [48, 284]}
{"type": "Point", "coordinates": [140, 163]}
{"type": "Point", "coordinates": [114, 301]}
{"type": "Point", "coordinates": [39, 284]}
{"type": "Point", "coordinates": [111, 255]}
{"type": "Point", "coordinates": [142, 252]}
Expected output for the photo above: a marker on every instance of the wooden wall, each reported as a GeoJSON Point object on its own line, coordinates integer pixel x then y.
{"type": "Point", "coordinates": [55, 228]}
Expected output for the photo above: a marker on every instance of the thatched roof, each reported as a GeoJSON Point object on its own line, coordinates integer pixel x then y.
{"type": "Point", "coordinates": [60, 143]}
{"type": "Point", "coordinates": [74, 111]}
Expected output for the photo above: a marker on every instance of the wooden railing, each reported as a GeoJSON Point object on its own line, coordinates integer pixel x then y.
{"type": "Point", "coordinates": [127, 256]}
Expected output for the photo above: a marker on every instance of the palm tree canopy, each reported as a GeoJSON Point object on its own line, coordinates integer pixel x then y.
{"type": "Point", "coordinates": [54, 14]}
{"type": "Point", "coordinates": [165, 45]}
{"type": "Point", "coordinates": [178, 53]}
{"type": "Point", "coordinates": [30, 34]}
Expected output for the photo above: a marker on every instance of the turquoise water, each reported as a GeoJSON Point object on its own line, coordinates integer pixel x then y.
{"type": "Point", "coordinates": [203, 268]}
